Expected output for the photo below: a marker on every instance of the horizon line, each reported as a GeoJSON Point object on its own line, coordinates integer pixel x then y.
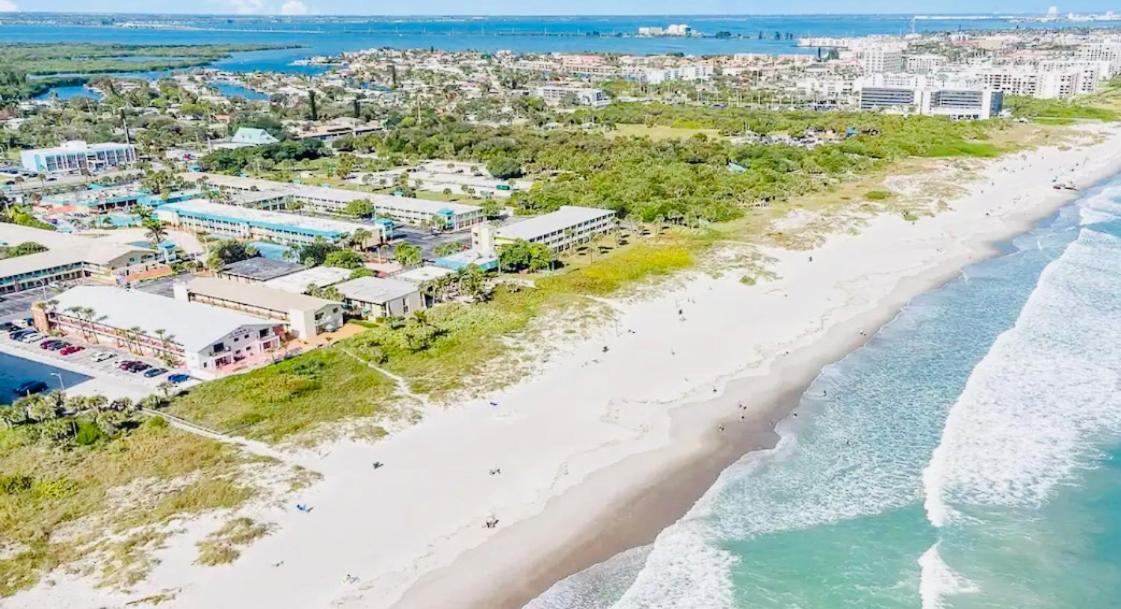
{"type": "Point", "coordinates": [995, 15]}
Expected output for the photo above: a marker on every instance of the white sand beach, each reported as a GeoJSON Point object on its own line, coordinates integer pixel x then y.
{"type": "Point", "coordinates": [600, 449]}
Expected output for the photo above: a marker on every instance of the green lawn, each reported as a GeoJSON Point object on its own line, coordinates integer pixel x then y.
{"type": "Point", "coordinates": [278, 401]}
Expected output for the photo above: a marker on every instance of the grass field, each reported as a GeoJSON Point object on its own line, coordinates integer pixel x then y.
{"type": "Point", "coordinates": [63, 504]}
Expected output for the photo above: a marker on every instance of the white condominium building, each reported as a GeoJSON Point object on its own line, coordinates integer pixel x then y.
{"type": "Point", "coordinates": [584, 96]}
{"type": "Point", "coordinates": [77, 156]}
{"type": "Point", "coordinates": [568, 226]}
{"type": "Point", "coordinates": [881, 58]}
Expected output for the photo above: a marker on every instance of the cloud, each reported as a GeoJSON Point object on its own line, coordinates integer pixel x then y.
{"type": "Point", "coordinates": [243, 7]}
{"type": "Point", "coordinates": [291, 7]}
{"type": "Point", "coordinates": [7, 6]}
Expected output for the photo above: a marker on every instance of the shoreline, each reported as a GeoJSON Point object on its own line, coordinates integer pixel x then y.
{"type": "Point", "coordinates": [600, 449]}
{"type": "Point", "coordinates": [687, 472]}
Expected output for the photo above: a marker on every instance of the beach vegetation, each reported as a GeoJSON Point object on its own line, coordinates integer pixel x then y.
{"type": "Point", "coordinates": [70, 489]}
{"type": "Point", "coordinates": [289, 397]}
{"type": "Point", "coordinates": [223, 545]}
{"type": "Point", "coordinates": [1051, 110]}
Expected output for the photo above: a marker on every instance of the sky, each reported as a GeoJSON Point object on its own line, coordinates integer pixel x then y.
{"type": "Point", "coordinates": [549, 7]}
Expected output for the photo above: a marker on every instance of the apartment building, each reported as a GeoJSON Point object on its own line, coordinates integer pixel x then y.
{"type": "Point", "coordinates": [881, 58]}
{"type": "Point", "coordinates": [583, 96]}
{"type": "Point", "coordinates": [958, 103]}
{"type": "Point", "coordinates": [567, 227]}
{"type": "Point", "coordinates": [249, 224]}
{"type": "Point", "coordinates": [303, 316]}
{"type": "Point", "coordinates": [68, 258]}
{"type": "Point", "coordinates": [269, 195]}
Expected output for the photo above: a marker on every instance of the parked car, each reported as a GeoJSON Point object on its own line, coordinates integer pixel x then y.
{"type": "Point", "coordinates": [102, 356]}
{"type": "Point", "coordinates": [8, 327]}
{"type": "Point", "coordinates": [30, 387]}
{"type": "Point", "coordinates": [125, 364]}
{"type": "Point", "coordinates": [71, 349]}
{"type": "Point", "coordinates": [53, 344]}
{"type": "Point", "coordinates": [30, 338]}
{"type": "Point", "coordinates": [154, 372]}
{"type": "Point", "coordinates": [135, 367]}
{"type": "Point", "coordinates": [19, 334]}
{"type": "Point", "coordinates": [178, 378]}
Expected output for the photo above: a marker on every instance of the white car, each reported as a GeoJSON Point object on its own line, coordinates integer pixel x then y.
{"type": "Point", "coordinates": [102, 356]}
{"type": "Point", "coordinates": [30, 338]}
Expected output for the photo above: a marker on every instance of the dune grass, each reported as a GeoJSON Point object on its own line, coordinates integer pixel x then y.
{"type": "Point", "coordinates": [471, 337]}
{"type": "Point", "coordinates": [59, 504]}
{"type": "Point", "coordinates": [278, 401]}
{"type": "Point", "coordinates": [221, 546]}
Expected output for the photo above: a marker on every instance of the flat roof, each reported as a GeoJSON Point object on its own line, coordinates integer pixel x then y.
{"type": "Point", "coordinates": [77, 146]}
{"type": "Point", "coordinates": [62, 250]}
{"type": "Point", "coordinates": [261, 268]}
{"type": "Point", "coordinates": [423, 273]}
{"type": "Point", "coordinates": [375, 290]}
{"type": "Point", "coordinates": [565, 217]}
{"type": "Point", "coordinates": [421, 205]}
{"type": "Point", "coordinates": [191, 324]}
{"type": "Point", "coordinates": [14, 234]}
{"type": "Point", "coordinates": [330, 194]}
{"type": "Point", "coordinates": [256, 295]}
{"type": "Point", "coordinates": [324, 227]}
{"type": "Point", "coordinates": [300, 281]}
{"type": "Point", "coordinates": [221, 179]}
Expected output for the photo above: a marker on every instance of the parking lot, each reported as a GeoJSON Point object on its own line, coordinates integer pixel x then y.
{"type": "Point", "coordinates": [18, 305]}
{"type": "Point", "coordinates": [427, 241]}
{"type": "Point", "coordinates": [102, 377]}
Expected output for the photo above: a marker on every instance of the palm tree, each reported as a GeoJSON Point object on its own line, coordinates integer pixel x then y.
{"type": "Point", "coordinates": [134, 334]}
{"type": "Point", "coordinates": [359, 237]}
{"type": "Point", "coordinates": [13, 415]}
{"type": "Point", "coordinates": [84, 315]}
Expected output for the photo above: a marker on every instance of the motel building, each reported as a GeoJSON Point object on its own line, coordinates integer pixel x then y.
{"type": "Point", "coordinates": [303, 316]}
{"type": "Point", "coordinates": [206, 340]}
{"type": "Point", "coordinates": [267, 194]}
{"type": "Point", "coordinates": [70, 258]}
{"type": "Point", "coordinates": [248, 224]}
{"type": "Point", "coordinates": [567, 227]}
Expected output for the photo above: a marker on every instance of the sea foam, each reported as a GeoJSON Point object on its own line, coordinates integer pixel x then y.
{"type": "Point", "coordinates": [1031, 410]}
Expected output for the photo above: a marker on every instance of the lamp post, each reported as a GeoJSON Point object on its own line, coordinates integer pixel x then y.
{"type": "Point", "coordinates": [61, 384]}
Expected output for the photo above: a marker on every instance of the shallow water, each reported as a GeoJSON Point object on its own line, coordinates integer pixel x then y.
{"type": "Point", "coordinates": [968, 457]}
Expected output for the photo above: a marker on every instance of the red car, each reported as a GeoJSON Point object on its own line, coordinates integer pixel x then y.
{"type": "Point", "coordinates": [68, 350]}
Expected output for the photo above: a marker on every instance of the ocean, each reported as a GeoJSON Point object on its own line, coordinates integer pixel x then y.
{"type": "Point", "coordinates": [967, 457]}
{"type": "Point", "coordinates": [320, 36]}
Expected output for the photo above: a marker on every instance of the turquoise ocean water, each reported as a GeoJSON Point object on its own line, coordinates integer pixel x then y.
{"type": "Point", "coordinates": [605, 34]}
{"type": "Point", "coordinates": [968, 457]}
